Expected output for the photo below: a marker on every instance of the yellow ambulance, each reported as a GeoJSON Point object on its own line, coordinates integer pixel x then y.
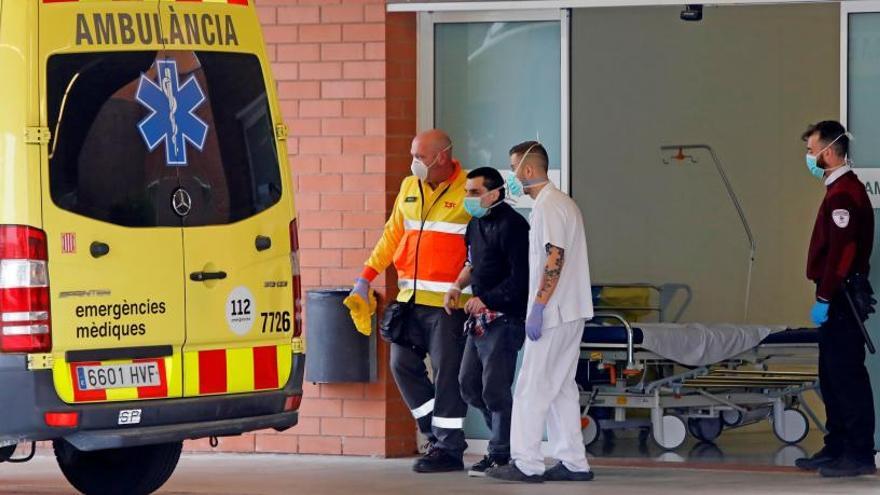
{"type": "Point", "coordinates": [149, 284]}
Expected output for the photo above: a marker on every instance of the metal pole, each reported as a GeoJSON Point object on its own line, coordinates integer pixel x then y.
{"type": "Point", "coordinates": [753, 247]}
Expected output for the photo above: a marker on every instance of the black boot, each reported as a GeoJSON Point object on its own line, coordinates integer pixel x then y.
{"type": "Point", "coordinates": [846, 467]}
{"type": "Point", "coordinates": [438, 461]}
{"type": "Point", "coordinates": [819, 459]}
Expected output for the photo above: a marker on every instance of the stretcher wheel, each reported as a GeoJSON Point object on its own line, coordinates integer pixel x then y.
{"type": "Point", "coordinates": [589, 429]}
{"type": "Point", "coordinates": [794, 427]}
{"type": "Point", "coordinates": [673, 435]}
{"type": "Point", "coordinates": [731, 417]}
{"type": "Point", "coordinates": [705, 429]}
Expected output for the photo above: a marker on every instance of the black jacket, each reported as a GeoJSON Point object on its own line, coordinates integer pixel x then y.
{"type": "Point", "coordinates": [498, 250]}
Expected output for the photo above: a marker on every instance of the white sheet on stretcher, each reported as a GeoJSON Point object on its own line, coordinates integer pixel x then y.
{"type": "Point", "coordinates": [699, 344]}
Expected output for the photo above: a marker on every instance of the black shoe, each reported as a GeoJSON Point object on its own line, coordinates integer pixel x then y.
{"type": "Point", "coordinates": [846, 467]}
{"type": "Point", "coordinates": [561, 473]}
{"type": "Point", "coordinates": [819, 459]}
{"type": "Point", "coordinates": [512, 473]}
{"type": "Point", "coordinates": [438, 461]}
{"type": "Point", "coordinates": [488, 462]}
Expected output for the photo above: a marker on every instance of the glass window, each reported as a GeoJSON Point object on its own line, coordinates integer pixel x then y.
{"type": "Point", "coordinates": [131, 128]}
{"type": "Point", "coordinates": [497, 84]}
{"type": "Point", "coordinates": [863, 106]}
{"type": "Point", "coordinates": [864, 79]}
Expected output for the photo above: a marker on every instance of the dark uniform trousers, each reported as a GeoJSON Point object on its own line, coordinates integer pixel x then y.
{"type": "Point", "coordinates": [437, 407]}
{"type": "Point", "coordinates": [845, 385]}
{"type": "Point", "coordinates": [487, 372]}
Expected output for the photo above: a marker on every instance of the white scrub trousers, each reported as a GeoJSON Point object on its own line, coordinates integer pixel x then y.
{"type": "Point", "coordinates": [546, 394]}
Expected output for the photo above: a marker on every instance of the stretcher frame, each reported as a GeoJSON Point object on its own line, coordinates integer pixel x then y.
{"type": "Point", "coordinates": [703, 400]}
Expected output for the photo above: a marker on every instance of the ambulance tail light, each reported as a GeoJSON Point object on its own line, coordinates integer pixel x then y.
{"type": "Point", "coordinates": [292, 402]}
{"type": "Point", "coordinates": [61, 419]}
{"type": "Point", "coordinates": [297, 281]}
{"type": "Point", "coordinates": [25, 324]}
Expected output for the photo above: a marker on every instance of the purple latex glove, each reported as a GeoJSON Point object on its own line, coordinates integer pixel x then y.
{"type": "Point", "coordinates": [362, 288]}
{"type": "Point", "coordinates": [535, 321]}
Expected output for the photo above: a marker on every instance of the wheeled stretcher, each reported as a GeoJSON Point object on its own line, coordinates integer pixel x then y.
{"type": "Point", "coordinates": [622, 371]}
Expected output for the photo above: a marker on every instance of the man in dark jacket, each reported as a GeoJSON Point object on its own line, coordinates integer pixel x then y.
{"type": "Point", "coordinates": [497, 239]}
{"type": "Point", "coordinates": [838, 259]}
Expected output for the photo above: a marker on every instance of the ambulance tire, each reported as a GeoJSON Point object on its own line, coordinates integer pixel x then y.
{"type": "Point", "coordinates": [133, 470]}
{"type": "Point", "coordinates": [7, 452]}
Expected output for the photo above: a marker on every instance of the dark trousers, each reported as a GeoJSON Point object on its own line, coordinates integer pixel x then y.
{"type": "Point", "coordinates": [845, 385]}
{"type": "Point", "coordinates": [437, 407]}
{"type": "Point", "coordinates": [486, 377]}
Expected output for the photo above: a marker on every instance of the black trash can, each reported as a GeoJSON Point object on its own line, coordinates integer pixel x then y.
{"type": "Point", "coordinates": [337, 352]}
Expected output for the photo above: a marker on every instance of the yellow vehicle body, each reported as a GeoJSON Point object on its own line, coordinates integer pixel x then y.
{"type": "Point", "coordinates": [143, 160]}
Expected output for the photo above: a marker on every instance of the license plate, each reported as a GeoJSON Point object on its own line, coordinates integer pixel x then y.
{"type": "Point", "coordinates": [102, 377]}
{"type": "Point", "coordinates": [130, 417]}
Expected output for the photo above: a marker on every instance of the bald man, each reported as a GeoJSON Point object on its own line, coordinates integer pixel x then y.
{"type": "Point", "coordinates": [424, 238]}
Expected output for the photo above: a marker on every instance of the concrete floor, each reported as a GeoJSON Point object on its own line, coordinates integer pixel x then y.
{"type": "Point", "coordinates": [277, 474]}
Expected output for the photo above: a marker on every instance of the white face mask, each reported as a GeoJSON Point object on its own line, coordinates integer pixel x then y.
{"type": "Point", "coordinates": [420, 170]}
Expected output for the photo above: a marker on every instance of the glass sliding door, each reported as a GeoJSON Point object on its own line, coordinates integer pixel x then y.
{"type": "Point", "coordinates": [492, 80]}
{"type": "Point", "coordinates": [860, 106]}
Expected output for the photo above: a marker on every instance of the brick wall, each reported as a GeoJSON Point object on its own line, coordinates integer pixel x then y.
{"type": "Point", "coordinates": [346, 76]}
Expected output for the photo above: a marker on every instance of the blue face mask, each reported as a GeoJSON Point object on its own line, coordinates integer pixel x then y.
{"type": "Point", "coordinates": [517, 187]}
{"type": "Point", "coordinates": [814, 168]}
{"type": "Point", "coordinates": [474, 207]}
{"type": "Point", "coordinates": [514, 186]}
{"type": "Point", "coordinates": [813, 161]}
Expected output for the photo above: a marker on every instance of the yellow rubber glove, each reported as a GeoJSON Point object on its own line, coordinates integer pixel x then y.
{"type": "Point", "coordinates": [361, 312]}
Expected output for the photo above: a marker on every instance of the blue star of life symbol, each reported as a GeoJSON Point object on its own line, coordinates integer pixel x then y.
{"type": "Point", "coordinates": [172, 116]}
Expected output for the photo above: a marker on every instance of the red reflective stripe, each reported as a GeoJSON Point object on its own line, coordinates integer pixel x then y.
{"type": "Point", "coordinates": [85, 395]}
{"type": "Point", "coordinates": [158, 391]}
{"type": "Point", "coordinates": [265, 367]}
{"type": "Point", "coordinates": [212, 372]}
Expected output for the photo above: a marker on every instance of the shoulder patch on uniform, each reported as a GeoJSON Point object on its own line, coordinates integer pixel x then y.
{"type": "Point", "coordinates": [840, 217]}
{"type": "Point", "coordinates": [410, 199]}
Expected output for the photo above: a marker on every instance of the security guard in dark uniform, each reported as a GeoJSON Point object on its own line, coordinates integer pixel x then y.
{"type": "Point", "coordinates": [838, 262]}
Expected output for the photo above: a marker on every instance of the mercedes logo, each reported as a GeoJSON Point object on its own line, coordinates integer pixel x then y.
{"type": "Point", "coordinates": [181, 202]}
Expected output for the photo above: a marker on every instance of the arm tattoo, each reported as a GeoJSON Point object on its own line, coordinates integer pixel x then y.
{"type": "Point", "coordinates": [552, 270]}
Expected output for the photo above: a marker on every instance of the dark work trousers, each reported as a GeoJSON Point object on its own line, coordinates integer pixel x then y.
{"type": "Point", "coordinates": [437, 406]}
{"type": "Point", "coordinates": [487, 372]}
{"type": "Point", "coordinates": [845, 385]}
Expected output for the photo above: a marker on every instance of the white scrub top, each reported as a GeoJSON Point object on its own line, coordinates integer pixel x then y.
{"type": "Point", "coordinates": [555, 219]}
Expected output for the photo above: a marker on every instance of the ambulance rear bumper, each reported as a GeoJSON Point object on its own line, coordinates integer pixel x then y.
{"type": "Point", "coordinates": [27, 395]}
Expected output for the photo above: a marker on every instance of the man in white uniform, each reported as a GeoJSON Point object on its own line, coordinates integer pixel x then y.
{"type": "Point", "coordinates": [559, 303]}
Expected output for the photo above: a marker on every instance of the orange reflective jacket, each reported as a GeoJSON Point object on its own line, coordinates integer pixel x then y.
{"type": "Point", "coordinates": [425, 238]}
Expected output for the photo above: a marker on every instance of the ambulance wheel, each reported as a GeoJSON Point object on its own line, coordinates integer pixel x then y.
{"type": "Point", "coordinates": [705, 429]}
{"type": "Point", "coordinates": [133, 470]}
{"type": "Point", "coordinates": [794, 426]}
{"type": "Point", "coordinates": [6, 452]}
{"type": "Point", "coordinates": [674, 433]}
{"type": "Point", "coordinates": [590, 429]}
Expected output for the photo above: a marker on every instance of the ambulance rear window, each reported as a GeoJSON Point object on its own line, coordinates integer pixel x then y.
{"type": "Point", "coordinates": [132, 130]}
